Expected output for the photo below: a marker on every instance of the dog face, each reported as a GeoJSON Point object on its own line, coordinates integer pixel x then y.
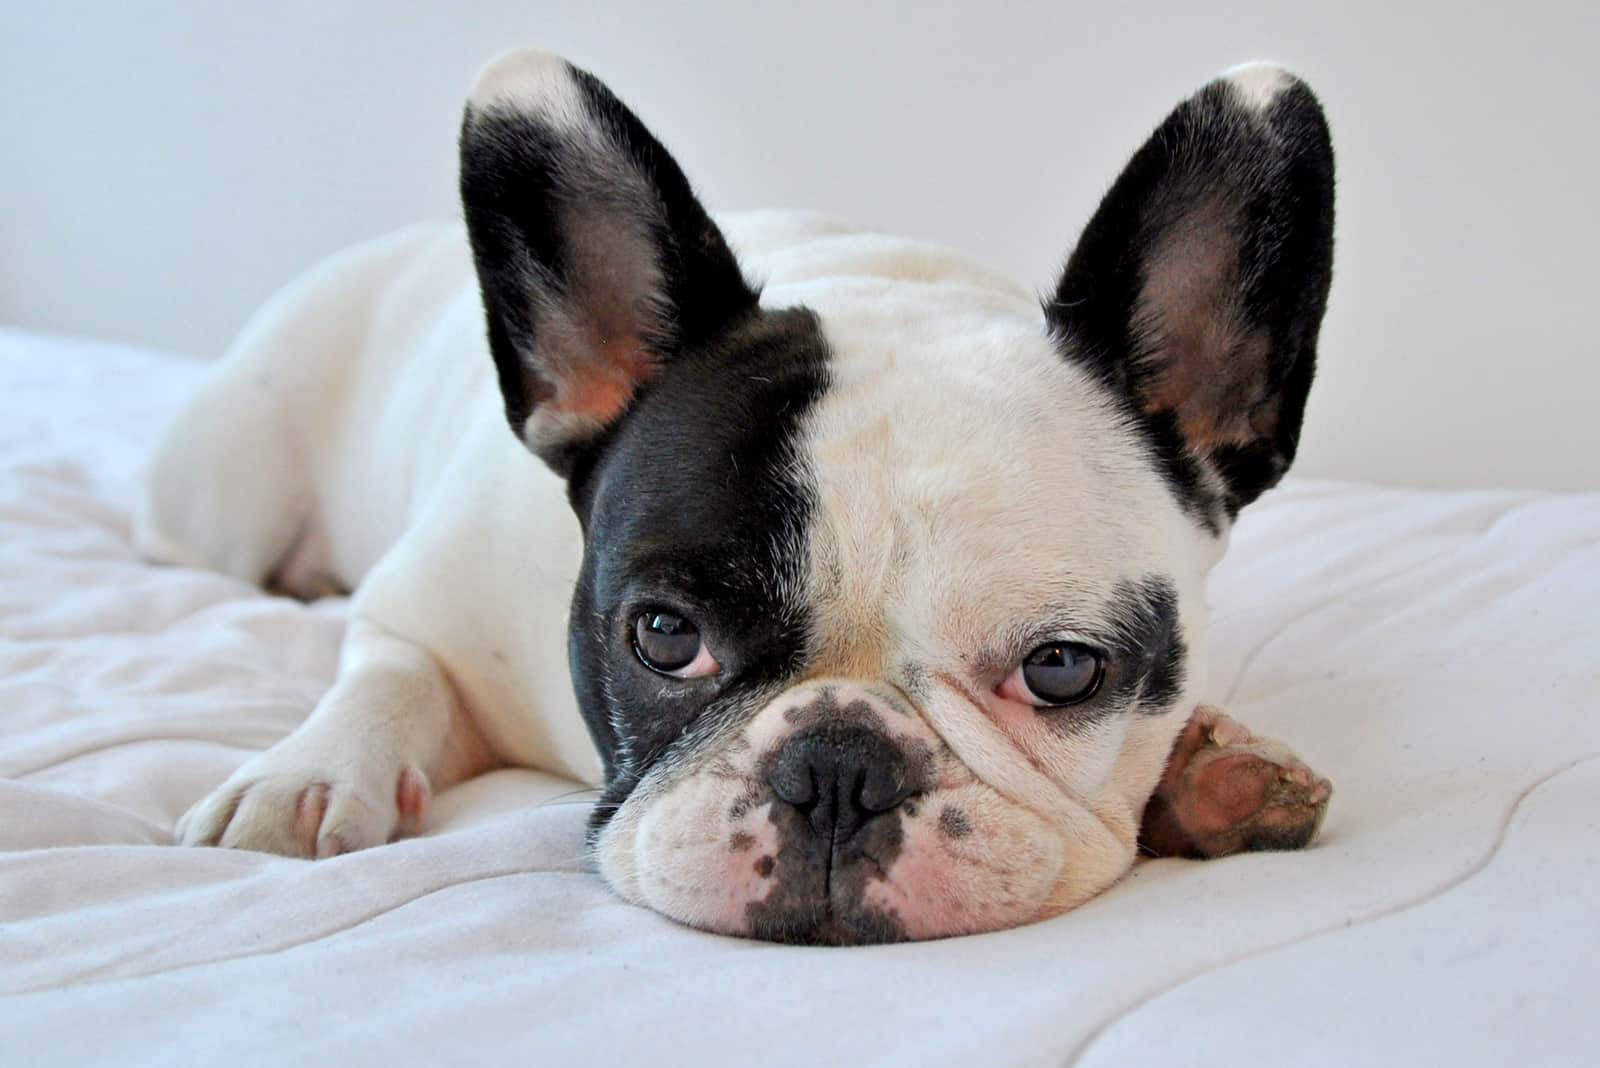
{"type": "Point", "coordinates": [890, 609]}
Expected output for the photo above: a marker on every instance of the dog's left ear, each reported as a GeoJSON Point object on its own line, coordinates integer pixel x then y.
{"type": "Point", "coordinates": [1197, 290]}
{"type": "Point", "coordinates": [598, 265]}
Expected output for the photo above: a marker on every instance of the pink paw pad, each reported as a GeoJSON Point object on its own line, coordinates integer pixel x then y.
{"type": "Point", "coordinates": [1227, 790]}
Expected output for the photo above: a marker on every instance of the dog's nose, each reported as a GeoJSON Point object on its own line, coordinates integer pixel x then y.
{"type": "Point", "coordinates": [838, 778]}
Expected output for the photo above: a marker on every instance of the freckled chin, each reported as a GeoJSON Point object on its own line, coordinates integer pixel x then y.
{"type": "Point", "coordinates": [710, 854]}
{"type": "Point", "coordinates": [995, 867]}
{"type": "Point", "coordinates": [699, 854]}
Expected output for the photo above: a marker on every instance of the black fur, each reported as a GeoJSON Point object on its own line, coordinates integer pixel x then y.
{"type": "Point", "coordinates": [1149, 643]}
{"type": "Point", "coordinates": [533, 195]}
{"type": "Point", "coordinates": [697, 503]}
{"type": "Point", "coordinates": [1258, 186]}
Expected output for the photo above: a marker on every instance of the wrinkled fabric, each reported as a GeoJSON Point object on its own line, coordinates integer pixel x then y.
{"type": "Point", "coordinates": [1437, 655]}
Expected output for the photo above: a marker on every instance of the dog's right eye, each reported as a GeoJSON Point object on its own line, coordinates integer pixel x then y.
{"type": "Point", "coordinates": [669, 644]}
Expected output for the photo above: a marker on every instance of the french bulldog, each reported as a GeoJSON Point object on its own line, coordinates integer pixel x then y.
{"type": "Point", "coordinates": [867, 586]}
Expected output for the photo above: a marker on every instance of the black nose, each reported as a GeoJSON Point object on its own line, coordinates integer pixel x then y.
{"type": "Point", "coordinates": [839, 778]}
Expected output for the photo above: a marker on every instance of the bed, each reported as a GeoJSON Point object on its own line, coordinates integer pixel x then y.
{"type": "Point", "coordinates": [1436, 654]}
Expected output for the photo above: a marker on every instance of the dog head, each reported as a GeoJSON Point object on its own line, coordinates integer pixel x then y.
{"type": "Point", "coordinates": [890, 608]}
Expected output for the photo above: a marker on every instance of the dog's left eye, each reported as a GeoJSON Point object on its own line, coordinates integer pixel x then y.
{"type": "Point", "coordinates": [1055, 674]}
{"type": "Point", "coordinates": [669, 644]}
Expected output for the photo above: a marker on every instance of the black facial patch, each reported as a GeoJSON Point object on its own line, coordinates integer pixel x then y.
{"type": "Point", "coordinates": [1150, 650]}
{"type": "Point", "coordinates": [697, 503]}
{"type": "Point", "coordinates": [1197, 291]}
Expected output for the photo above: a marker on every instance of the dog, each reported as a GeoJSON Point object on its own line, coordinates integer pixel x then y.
{"type": "Point", "coordinates": [865, 584]}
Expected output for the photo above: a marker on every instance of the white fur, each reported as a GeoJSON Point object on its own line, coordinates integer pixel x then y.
{"type": "Point", "coordinates": [532, 81]}
{"type": "Point", "coordinates": [1258, 83]}
{"type": "Point", "coordinates": [969, 480]}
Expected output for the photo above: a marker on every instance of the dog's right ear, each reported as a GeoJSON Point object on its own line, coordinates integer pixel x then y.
{"type": "Point", "coordinates": [597, 264]}
{"type": "Point", "coordinates": [1197, 290]}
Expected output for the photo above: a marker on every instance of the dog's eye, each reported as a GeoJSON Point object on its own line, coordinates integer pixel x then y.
{"type": "Point", "coordinates": [1055, 674]}
{"type": "Point", "coordinates": [670, 644]}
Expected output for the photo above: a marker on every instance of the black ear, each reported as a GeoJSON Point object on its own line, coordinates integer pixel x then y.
{"type": "Point", "coordinates": [597, 263]}
{"type": "Point", "coordinates": [1198, 289]}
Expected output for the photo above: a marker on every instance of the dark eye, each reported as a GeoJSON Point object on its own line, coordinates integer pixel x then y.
{"type": "Point", "coordinates": [671, 644]}
{"type": "Point", "coordinates": [1056, 674]}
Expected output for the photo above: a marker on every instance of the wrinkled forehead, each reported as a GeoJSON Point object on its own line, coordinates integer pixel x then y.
{"type": "Point", "coordinates": [969, 482]}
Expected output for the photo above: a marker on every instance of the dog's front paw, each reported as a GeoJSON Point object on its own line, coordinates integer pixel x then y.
{"type": "Point", "coordinates": [278, 803]}
{"type": "Point", "coordinates": [1227, 790]}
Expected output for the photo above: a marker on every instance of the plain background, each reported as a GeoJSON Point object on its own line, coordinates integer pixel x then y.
{"type": "Point", "coordinates": [165, 165]}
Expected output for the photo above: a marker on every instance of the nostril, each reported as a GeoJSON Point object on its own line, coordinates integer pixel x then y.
{"type": "Point", "coordinates": [838, 778]}
{"type": "Point", "coordinates": [885, 785]}
{"type": "Point", "coordinates": [792, 778]}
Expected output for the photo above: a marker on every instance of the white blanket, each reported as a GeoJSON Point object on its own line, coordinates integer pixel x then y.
{"type": "Point", "coordinates": [1437, 655]}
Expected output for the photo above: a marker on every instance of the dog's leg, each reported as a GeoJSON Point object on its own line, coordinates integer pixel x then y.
{"type": "Point", "coordinates": [360, 770]}
{"type": "Point", "coordinates": [1226, 790]}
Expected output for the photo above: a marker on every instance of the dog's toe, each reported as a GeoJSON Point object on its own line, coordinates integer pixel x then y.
{"type": "Point", "coordinates": [297, 812]}
{"type": "Point", "coordinates": [205, 821]}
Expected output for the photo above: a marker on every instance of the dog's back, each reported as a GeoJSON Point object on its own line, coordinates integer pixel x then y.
{"type": "Point", "coordinates": [260, 462]}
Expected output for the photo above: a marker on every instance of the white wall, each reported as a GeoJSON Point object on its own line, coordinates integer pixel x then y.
{"type": "Point", "coordinates": [163, 165]}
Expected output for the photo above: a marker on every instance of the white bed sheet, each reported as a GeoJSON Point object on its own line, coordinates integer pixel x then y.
{"type": "Point", "coordinates": [1436, 654]}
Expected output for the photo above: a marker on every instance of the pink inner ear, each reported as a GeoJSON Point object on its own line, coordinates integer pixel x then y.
{"type": "Point", "coordinates": [593, 342]}
{"type": "Point", "coordinates": [601, 386]}
{"type": "Point", "coordinates": [1203, 365]}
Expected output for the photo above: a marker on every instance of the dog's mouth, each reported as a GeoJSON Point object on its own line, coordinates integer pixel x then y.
{"type": "Point", "coordinates": [824, 865]}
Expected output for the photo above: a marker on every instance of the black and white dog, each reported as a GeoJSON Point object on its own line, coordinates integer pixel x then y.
{"type": "Point", "coordinates": [876, 585]}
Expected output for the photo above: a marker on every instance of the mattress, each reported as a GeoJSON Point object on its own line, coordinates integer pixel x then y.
{"type": "Point", "coordinates": [1436, 654]}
